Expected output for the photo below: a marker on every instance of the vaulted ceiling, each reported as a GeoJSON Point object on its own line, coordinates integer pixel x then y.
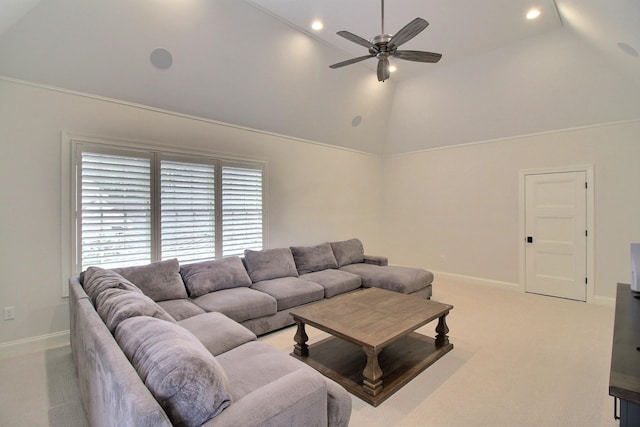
{"type": "Point", "coordinates": [458, 29]}
{"type": "Point", "coordinates": [259, 64]}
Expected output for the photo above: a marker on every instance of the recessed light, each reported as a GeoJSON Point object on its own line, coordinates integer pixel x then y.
{"type": "Point", "coordinates": [533, 13]}
{"type": "Point", "coordinates": [317, 25]}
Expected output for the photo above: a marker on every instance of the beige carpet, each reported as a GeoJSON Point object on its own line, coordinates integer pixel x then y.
{"type": "Point", "coordinates": [518, 360]}
{"type": "Point", "coordinates": [40, 389]}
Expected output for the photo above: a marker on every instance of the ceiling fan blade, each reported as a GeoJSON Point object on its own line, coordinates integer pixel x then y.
{"type": "Point", "coordinates": [357, 39]}
{"type": "Point", "coordinates": [408, 32]}
{"type": "Point", "coordinates": [416, 55]}
{"type": "Point", "coordinates": [383, 69]}
{"type": "Point", "coordinates": [351, 61]}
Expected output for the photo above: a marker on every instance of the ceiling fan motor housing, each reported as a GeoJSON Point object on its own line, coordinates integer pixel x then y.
{"type": "Point", "coordinates": [382, 46]}
{"type": "Point", "coordinates": [381, 38]}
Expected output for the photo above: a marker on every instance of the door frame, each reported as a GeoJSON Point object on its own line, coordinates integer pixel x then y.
{"type": "Point", "coordinates": [588, 169]}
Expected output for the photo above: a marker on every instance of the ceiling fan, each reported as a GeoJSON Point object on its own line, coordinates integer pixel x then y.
{"type": "Point", "coordinates": [384, 45]}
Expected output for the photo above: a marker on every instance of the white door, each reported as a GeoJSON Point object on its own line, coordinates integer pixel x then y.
{"type": "Point", "coordinates": [556, 234]}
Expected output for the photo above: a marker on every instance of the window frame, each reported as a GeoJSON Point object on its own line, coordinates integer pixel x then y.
{"type": "Point", "coordinates": [73, 145]}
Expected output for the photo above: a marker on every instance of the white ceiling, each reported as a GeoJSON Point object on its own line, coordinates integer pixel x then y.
{"type": "Point", "coordinates": [258, 64]}
{"type": "Point", "coordinates": [457, 28]}
{"type": "Point", "coordinates": [11, 11]}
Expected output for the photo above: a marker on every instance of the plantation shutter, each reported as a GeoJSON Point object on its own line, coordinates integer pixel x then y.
{"type": "Point", "coordinates": [137, 205]}
{"type": "Point", "coordinates": [187, 211]}
{"type": "Point", "coordinates": [241, 209]}
{"type": "Point", "coordinates": [115, 211]}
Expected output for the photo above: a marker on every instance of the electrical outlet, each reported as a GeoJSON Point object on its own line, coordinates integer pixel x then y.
{"type": "Point", "coordinates": [9, 313]}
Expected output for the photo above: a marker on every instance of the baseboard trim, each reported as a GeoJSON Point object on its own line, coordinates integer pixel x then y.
{"type": "Point", "coordinates": [478, 281]}
{"type": "Point", "coordinates": [608, 301]}
{"type": "Point", "coordinates": [34, 344]}
{"type": "Point", "coordinates": [471, 280]}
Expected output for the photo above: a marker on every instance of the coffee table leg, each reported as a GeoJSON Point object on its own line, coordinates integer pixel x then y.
{"type": "Point", "coordinates": [442, 329]}
{"type": "Point", "coordinates": [372, 373]}
{"type": "Point", "coordinates": [301, 348]}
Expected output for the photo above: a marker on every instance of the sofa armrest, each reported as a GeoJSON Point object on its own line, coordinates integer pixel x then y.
{"type": "Point", "coordinates": [376, 260]}
{"type": "Point", "coordinates": [296, 399]}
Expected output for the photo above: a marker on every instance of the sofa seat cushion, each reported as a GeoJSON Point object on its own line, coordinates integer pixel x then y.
{"type": "Point", "coordinates": [393, 278]}
{"type": "Point", "coordinates": [300, 398]}
{"type": "Point", "coordinates": [348, 252]}
{"type": "Point", "coordinates": [270, 264]}
{"type": "Point", "coordinates": [208, 276]}
{"type": "Point", "coordinates": [254, 365]}
{"type": "Point", "coordinates": [313, 258]}
{"type": "Point", "coordinates": [217, 332]}
{"type": "Point", "coordinates": [116, 305]}
{"type": "Point", "coordinates": [334, 282]}
{"type": "Point", "coordinates": [239, 304]}
{"type": "Point", "coordinates": [96, 280]}
{"type": "Point", "coordinates": [180, 308]}
{"type": "Point", "coordinates": [182, 375]}
{"type": "Point", "coordinates": [290, 291]}
{"type": "Point", "coordinates": [160, 280]}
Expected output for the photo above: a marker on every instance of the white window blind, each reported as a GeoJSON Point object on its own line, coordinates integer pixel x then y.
{"type": "Point", "coordinates": [115, 210]}
{"type": "Point", "coordinates": [137, 206]}
{"type": "Point", "coordinates": [241, 209]}
{"type": "Point", "coordinates": [187, 211]}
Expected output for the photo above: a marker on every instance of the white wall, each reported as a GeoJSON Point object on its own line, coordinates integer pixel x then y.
{"type": "Point", "coordinates": [456, 210]}
{"type": "Point", "coordinates": [315, 192]}
{"type": "Point", "coordinates": [551, 82]}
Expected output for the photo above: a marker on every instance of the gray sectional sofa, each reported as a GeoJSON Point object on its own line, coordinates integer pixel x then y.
{"type": "Point", "coordinates": [165, 344]}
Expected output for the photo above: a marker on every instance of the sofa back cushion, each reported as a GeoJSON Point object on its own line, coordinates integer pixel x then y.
{"type": "Point", "coordinates": [160, 280]}
{"type": "Point", "coordinates": [96, 280]}
{"type": "Point", "coordinates": [116, 305]}
{"type": "Point", "coordinates": [348, 252]}
{"type": "Point", "coordinates": [270, 264]}
{"type": "Point", "coordinates": [182, 375]}
{"type": "Point", "coordinates": [313, 258]}
{"type": "Point", "coordinates": [208, 276]}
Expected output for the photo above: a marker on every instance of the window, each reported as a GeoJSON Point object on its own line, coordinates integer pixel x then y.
{"type": "Point", "coordinates": [187, 198]}
{"type": "Point", "coordinates": [138, 206]}
{"type": "Point", "coordinates": [116, 210]}
{"type": "Point", "coordinates": [241, 209]}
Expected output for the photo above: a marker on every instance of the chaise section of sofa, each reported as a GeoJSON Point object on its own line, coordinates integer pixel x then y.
{"type": "Point", "coordinates": [375, 271]}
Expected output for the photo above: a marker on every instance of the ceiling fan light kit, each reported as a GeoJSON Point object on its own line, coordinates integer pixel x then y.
{"type": "Point", "coordinates": [384, 46]}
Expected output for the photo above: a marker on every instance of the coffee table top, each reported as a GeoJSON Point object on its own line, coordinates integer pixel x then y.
{"type": "Point", "coordinates": [372, 317]}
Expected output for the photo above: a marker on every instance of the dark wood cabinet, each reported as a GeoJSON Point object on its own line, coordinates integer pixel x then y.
{"type": "Point", "coordinates": [624, 380]}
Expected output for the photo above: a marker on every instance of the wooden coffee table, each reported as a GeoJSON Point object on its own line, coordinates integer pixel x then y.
{"type": "Point", "coordinates": [374, 350]}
